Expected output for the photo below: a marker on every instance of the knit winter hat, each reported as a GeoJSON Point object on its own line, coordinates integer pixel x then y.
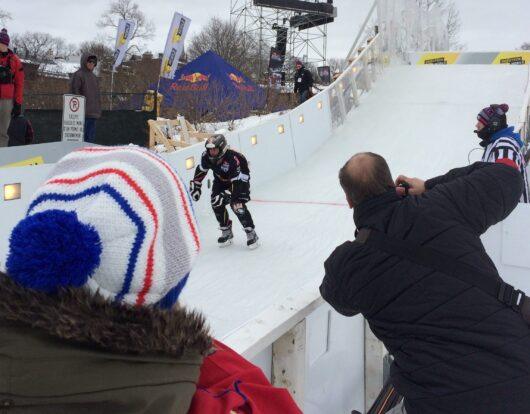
{"type": "Point", "coordinates": [4, 37]}
{"type": "Point", "coordinates": [494, 114]}
{"type": "Point", "coordinates": [117, 221]}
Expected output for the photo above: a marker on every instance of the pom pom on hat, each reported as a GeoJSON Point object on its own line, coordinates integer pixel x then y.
{"type": "Point", "coordinates": [53, 249]}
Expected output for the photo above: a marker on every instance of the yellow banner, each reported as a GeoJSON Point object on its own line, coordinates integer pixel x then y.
{"type": "Point", "coordinates": [512, 58]}
{"type": "Point", "coordinates": [440, 58]}
{"type": "Point", "coordinates": [30, 161]}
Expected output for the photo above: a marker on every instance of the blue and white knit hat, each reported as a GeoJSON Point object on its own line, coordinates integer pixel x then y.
{"type": "Point", "coordinates": [117, 221]}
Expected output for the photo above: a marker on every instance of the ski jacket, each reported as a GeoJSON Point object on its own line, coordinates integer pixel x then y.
{"type": "Point", "coordinates": [456, 349]}
{"type": "Point", "coordinates": [77, 353]}
{"type": "Point", "coordinates": [15, 89]}
{"type": "Point", "coordinates": [85, 83]}
{"type": "Point", "coordinates": [303, 80]}
{"type": "Point", "coordinates": [230, 384]}
{"type": "Point", "coordinates": [505, 147]}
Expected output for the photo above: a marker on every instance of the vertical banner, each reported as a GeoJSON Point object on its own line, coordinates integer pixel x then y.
{"type": "Point", "coordinates": [174, 45]}
{"type": "Point", "coordinates": [125, 33]}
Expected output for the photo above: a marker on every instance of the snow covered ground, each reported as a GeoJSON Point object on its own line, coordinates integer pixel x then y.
{"type": "Point", "coordinates": [421, 118]}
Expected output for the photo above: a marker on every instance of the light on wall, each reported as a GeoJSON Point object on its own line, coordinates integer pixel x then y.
{"type": "Point", "coordinates": [301, 119]}
{"type": "Point", "coordinates": [12, 191]}
{"type": "Point", "coordinates": [319, 105]}
{"type": "Point", "coordinates": [281, 129]}
{"type": "Point", "coordinates": [254, 139]}
{"type": "Point", "coordinates": [342, 85]}
{"type": "Point", "coordinates": [354, 69]}
{"type": "Point", "coordinates": [190, 163]}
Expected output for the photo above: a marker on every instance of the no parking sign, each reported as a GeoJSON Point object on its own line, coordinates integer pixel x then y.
{"type": "Point", "coordinates": [73, 129]}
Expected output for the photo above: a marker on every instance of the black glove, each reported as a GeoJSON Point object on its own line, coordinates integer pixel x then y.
{"type": "Point", "coordinates": [240, 191]}
{"type": "Point", "coordinates": [221, 199]}
{"type": "Point", "coordinates": [195, 190]}
{"type": "Point", "coordinates": [17, 110]}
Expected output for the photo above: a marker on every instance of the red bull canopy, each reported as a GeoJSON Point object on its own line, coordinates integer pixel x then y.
{"type": "Point", "coordinates": [209, 81]}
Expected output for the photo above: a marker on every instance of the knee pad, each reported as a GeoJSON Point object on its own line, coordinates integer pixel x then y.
{"type": "Point", "coordinates": [238, 208]}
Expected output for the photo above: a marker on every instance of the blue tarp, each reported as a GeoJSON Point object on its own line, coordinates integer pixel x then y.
{"type": "Point", "coordinates": [210, 85]}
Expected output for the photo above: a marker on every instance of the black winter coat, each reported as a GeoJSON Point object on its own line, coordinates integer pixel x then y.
{"type": "Point", "coordinates": [303, 80]}
{"type": "Point", "coordinates": [456, 348]}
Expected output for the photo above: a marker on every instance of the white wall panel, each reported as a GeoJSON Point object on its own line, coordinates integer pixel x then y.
{"type": "Point", "coordinates": [273, 153]}
{"type": "Point", "coordinates": [315, 129]}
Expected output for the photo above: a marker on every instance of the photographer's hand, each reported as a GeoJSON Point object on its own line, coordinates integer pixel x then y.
{"type": "Point", "coordinates": [416, 185]}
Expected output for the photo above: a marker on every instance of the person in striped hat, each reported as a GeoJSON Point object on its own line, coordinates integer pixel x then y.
{"type": "Point", "coordinates": [90, 320]}
{"type": "Point", "coordinates": [500, 142]}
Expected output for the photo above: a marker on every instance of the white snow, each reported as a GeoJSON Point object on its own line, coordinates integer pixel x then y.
{"type": "Point", "coordinates": [421, 118]}
{"type": "Point", "coordinates": [238, 124]}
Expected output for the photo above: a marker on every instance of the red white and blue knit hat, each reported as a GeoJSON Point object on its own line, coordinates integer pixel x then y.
{"type": "Point", "coordinates": [117, 221]}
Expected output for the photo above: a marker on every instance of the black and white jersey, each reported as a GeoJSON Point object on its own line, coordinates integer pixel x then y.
{"type": "Point", "coordinates": [506, 150]}
{"type": "Point", "coordinates": [233, 166]}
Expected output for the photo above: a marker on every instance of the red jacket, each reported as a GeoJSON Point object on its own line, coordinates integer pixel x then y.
{"type": "Point", "coordinates": [15, 89]}
{"type": "Point", "coordinates": [228, 383]}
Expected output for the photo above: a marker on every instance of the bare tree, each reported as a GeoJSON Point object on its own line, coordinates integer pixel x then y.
{"type": "Point", "coordinates": [4, 16]}
{"type": "Point", "coordinates": [452, 18]}
{"type": "Point", "coordinates": [233, 45]}
{"type": "Point", "coordinates": [337, 64]}
{"type": "Point", "coordinates": [42, 47]}
{"type": "Point", "coordinates": [127, 9]}
{"type": "Point", "coordinates": [99, 49]}
{"type": "Point", "coordinates": [525, 46]}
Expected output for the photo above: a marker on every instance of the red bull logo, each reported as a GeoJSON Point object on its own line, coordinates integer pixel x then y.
{"type": "Point", "coordinates": [194, 77]}
{"type": "Point", "coordinates": [237, 79]}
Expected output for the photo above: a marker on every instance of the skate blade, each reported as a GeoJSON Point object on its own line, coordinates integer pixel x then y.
{"type": "Point", "coordinates": [225, 244]}
{"type": "Point", "coordinates": [253, 246]}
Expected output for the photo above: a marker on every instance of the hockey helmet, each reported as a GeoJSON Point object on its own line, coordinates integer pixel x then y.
{"type": "Point", "coordinates": [216, 141]}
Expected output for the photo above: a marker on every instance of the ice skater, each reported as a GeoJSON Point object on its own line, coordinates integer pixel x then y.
{"type": "Point", "coordinates": [231, 185]}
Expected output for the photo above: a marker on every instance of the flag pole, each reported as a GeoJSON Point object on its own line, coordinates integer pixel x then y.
{"type": "Point", "coordinates": [111, 88]}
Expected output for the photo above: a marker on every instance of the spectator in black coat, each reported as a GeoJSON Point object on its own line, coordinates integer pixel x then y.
{"type": "Point", "coordinates": [456, 349]}
{"type": "Point", "coordinates": [303, 82]}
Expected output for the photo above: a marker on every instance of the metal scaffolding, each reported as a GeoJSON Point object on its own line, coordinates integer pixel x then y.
{"type": "Point", "coordinates": [260, 24]}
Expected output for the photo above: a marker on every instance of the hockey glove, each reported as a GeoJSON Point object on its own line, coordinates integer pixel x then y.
{"type": "Point", "coordinates": [241, 191]}
{"type": "Point", "coordinates": [195, 190]}
{"type": "Point", "coordinates": [221, 199]}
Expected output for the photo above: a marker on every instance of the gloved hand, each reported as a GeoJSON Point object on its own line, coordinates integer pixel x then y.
{"type": "Point", "coordinates": [195, 190]}
{"type": "Point", "coordinates": [240, 191]}
{"type": "Point", "coordinates": [221, 199]}
{"type": "Point", "coordinates": [17, 110]}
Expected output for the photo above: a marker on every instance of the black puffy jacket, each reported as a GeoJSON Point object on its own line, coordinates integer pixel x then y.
{"type": "Point", "coordinates": [303, 80]}
{"type": "Point", "coordinates": [456, 348]}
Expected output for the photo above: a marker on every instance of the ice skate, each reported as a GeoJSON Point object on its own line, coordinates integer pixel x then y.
{"type": "Point", "coordinates": [226, 238]}
{"type": "Point", "coordinates": [252, 238]}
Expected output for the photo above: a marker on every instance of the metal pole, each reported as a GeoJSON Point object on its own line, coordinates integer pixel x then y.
{"type": "Point", "coordinates": [111, 88]}
{"type": "Point", "coordinates": [352, 50]}
{"type": "Point", "coordinates": [156, 97]}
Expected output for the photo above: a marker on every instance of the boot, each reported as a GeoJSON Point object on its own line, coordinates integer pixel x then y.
{"type": "Point", "coordinates": [252, 238]}
{"type": "Point", "coordinates": [226, 236]}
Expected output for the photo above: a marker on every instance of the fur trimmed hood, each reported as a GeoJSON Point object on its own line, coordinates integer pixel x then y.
{"type": "Point", "coordinates": [75, 315]}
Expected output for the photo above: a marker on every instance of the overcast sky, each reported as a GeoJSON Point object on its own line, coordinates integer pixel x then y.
{"type": "Point", "coordinates": [504, 26]}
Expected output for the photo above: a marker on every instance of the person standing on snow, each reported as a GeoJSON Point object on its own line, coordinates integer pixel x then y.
{"type": "Point", "coordinates": [303, 82]}
{"type": "Point", "coordinates": [11, 86]}
{"type": "Point", "coordinates": [500, 142]}
{"type": "Point", "coordinates": [85, 83]}
{"type": "Point", "coordinates": [231, 185]}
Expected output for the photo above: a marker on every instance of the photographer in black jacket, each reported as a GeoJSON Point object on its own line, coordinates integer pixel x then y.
{"type": "Point", "coordinates": [419, 274]}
